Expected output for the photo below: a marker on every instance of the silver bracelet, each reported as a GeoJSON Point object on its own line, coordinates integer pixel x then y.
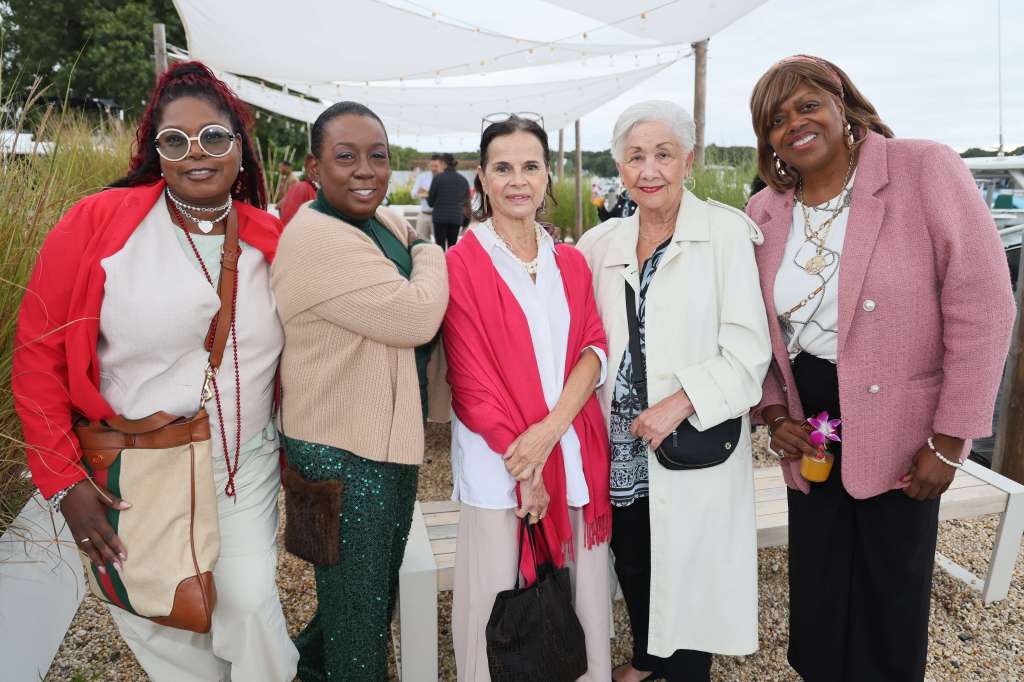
{"type": "Point", "coordinates": [59, 496]}
{"type": "Point", "coordinates": [935, 451]}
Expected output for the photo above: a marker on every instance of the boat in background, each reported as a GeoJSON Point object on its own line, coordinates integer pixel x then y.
{"type": "Point", "coordinates": [1000, 179]}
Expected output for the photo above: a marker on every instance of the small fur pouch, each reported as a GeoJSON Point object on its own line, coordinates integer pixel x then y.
{"type": "Point", "coordinates": [312, 518]}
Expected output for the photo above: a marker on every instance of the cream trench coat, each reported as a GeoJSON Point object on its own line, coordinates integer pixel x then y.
{"type": "Point", "coordinates": [706, 332]}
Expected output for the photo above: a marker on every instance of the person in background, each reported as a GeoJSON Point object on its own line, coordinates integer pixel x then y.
{"type": "Point", "coordinates": [685, 541]}
{"type": "Point", "coordinates": [421, 190]}
{"type": "Point", "coordinates": [525, 351]}
{"type": "Point", "coordinates": [300, 192]}
{"type": "Point", "coordinates": [890, 308]}
{"type": "Point", "coordinates": [447, 197]}
{"type": "Point", "coordinates": [114, 322]}
{"type": "Point", "coordinates": [285, 179]}
{"type": "Point", "coordinates": [623, 207]}
{"type": "Point", "coordinates": [360, 298]}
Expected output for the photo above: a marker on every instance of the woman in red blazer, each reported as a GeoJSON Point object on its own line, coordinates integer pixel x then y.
{"type": "Point", "coordinates": [890, 307]}
{"type": "Point", "coordinates": [114, 320]}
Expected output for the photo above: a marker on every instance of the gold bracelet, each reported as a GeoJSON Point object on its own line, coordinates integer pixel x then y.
{"type": "Point", "coordinates": [771, 427]}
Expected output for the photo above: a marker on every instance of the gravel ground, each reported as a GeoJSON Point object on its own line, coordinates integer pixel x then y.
{"type": "Point", "coordinates": [968, 640]}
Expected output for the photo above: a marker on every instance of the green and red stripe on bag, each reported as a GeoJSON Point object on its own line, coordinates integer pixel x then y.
{"type": "Point", "coordinates": [163, 465]}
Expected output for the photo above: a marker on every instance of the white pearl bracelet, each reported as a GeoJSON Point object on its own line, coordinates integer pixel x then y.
{"type": "Point", "coordinates": [935, 451]}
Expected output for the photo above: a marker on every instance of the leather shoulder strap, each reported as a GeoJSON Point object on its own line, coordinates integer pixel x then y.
{"type": "Point", "coordinates": [638, 365]}
{"type": "Point", "coordinates": [226, 289]}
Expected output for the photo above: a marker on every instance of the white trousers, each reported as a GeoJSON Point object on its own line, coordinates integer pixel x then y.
{"type": "Point", "coordinates": [248, 639]}
{"type": "Point", "coordinates": [425, 225]}
{"type": "Point", "coordinates": [485, 557]}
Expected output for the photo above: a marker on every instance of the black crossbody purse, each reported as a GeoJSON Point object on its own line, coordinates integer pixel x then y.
{"type": "Point", "coordinates": [686, 447]}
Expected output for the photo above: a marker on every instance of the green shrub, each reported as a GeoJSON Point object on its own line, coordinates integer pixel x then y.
{"type": "Point", "coordinates": [402, 196]}
{"type": "Point", "coordinates": [726, 184]}
{"type": "Point", "coordinates": [562, 212]}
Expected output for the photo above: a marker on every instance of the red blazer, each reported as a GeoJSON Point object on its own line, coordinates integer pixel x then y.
{"type": "Point", "coordinates": [925, 310]}
{"type": "Point", "coordinates": [55, 371]}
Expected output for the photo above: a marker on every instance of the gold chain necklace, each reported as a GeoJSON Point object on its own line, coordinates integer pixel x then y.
{"type": "Point", "coordinates": [816, 263]}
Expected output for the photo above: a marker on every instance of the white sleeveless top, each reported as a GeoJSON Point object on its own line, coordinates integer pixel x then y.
{"type": "Point", "coordinates": [157, 307]}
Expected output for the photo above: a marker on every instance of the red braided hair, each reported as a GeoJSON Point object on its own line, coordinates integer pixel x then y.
{"type": "Point", "coordinates": [194, 79]}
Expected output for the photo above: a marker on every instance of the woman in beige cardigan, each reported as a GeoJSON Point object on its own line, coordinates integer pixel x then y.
{"type": "Point", "coordinates": [361, 297]}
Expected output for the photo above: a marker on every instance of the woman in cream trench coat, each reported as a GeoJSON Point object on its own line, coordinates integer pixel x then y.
{"type": "Point", "coordinates": [705, 333]}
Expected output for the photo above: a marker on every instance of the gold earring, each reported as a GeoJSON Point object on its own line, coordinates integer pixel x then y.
{"type": "Point", "coordinates": [849, 136]}
{"type": "Point", "coordinates": [780, 169]}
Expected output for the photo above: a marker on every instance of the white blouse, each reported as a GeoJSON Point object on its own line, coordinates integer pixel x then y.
{"type": "Point", "coordinates": [479, 474]}
{"type": "Point", "coordinates": [814, 328]}
{"type": "Point", "coordinates": [157, 307]}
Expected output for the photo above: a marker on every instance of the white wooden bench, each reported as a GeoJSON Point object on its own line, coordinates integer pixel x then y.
{"type": "Point", "coordinates": [429, 564]}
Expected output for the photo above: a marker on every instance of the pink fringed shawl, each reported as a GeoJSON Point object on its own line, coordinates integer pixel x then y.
{"type": "Point", "coordinates": [496, 387]}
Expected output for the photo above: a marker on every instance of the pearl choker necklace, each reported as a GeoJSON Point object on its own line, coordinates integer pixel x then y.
{"type": "Point", "coordinates": [206, 226]}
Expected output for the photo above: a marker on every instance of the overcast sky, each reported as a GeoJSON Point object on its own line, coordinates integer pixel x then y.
{"type": "Point", "coordinates": [929, 67]}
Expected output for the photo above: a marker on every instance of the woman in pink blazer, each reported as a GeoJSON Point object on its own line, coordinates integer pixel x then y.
{"type": "Point", "coordinates": [889, 303]}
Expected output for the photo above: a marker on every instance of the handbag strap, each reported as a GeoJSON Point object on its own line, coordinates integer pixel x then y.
{"type": "Point", "coordinates": [525, 529]}
{"type": "Point", "coordinates": [226, 290]}
{"type": "Point", "coordinates": [638, 364]}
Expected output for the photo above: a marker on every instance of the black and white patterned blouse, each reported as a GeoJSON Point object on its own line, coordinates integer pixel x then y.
{"type": "Point", "coordinates": [629, 454]}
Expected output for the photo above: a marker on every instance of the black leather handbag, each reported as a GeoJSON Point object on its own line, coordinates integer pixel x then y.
{"type": "Point", "coordinates": [533, 634]}
{"type": "Point", "coordinates": [686, 447]}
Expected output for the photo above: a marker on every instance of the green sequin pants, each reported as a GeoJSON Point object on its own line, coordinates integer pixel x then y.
{"type": "Point", "coordinates": [347, 638]}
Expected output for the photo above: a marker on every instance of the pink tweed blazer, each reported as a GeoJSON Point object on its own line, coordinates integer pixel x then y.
{"type": "Point", "coordinates": [925, 310]}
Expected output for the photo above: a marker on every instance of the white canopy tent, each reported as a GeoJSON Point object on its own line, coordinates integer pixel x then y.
{"type": "Point", "coordinates": [448, 110]}
{"type": "Point", "coordinates": [356, 41]}
{"type": "Point", "coordinates": [666, 21]}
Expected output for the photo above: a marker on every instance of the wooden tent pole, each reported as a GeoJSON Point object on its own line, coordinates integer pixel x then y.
{"type": "Point", "coordinates": [560, 171]}
{"type": "Point", "coordinates": [159, 50]}
{"type": "Point", "coordinates": [578, 228]}
{"type": "Point", "coordinates": [1008, 457]}
{"type": "Point", "coordinates": [700, 79]}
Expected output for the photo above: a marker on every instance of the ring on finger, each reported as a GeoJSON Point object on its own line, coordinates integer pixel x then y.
{"type": "Point", "coordinates": [84, 540]}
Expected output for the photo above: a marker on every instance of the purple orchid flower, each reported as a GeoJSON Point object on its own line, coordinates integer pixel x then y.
{"type": "Point", "coordinates": [824, 430]}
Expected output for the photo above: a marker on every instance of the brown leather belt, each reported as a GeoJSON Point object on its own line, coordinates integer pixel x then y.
{"type": "Point", "coordinates": [103, 440]}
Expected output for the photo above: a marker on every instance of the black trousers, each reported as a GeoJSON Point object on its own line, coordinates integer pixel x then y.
{"type": "Point", "coordinates": [446, 234]}
{"type": "Point", "coordinates": [860, 571]}
{"type": "Point", "coordinates": [631, 544]}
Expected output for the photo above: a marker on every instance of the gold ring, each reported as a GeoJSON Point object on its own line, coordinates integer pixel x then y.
{"type": "Point", "coordinates": [84, 540]}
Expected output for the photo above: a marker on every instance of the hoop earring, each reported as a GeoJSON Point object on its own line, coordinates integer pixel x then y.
{"type": "Point", "coordinates": [780, 168]}
{"type": "Point", "coordinates": [849, 136]}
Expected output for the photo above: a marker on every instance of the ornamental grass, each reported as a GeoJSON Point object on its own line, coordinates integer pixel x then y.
{"type": "Point", "coordinates": [72, 155]}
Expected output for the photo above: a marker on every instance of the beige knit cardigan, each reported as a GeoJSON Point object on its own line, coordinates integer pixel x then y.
{"type": "Point", "coordinates": [351, 323]}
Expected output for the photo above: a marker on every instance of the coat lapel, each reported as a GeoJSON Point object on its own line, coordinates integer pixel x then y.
{"type": "Point", "coordinates": [776, 234]}
{"type": "Point", "coordinates": [622, 251]}
{"type": "Point", "coordinates": [866, 214]}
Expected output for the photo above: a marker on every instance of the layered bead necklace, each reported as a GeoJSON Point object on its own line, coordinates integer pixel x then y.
{"type": "Point", "coordinates": [530, 266]}
{"type": "Point", "coordinates": [232, 467]}
{"type": "Point", "coordinates": [205, 226]}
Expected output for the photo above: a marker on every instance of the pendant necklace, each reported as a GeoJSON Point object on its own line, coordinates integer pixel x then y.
{"type": "Point", "coordinates": [817, 263]}
{"type": "Point", "coordinates": [205, 226]}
